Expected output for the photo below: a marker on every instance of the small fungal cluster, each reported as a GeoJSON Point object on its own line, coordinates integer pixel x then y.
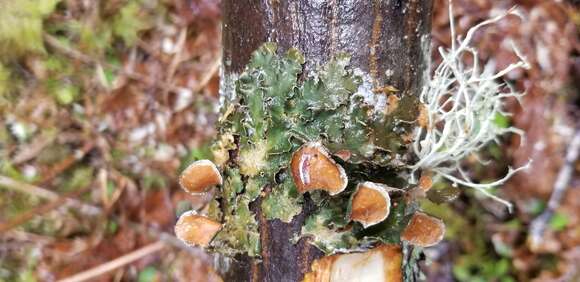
{"type": "Point", "coordinates": [285, 139]}
{"type": "Point", "coordinates": [198, 178]}
{"type": "Point", "coordinates": [312, 168]}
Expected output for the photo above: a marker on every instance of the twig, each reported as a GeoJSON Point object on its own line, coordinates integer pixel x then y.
{"type": "Point", "coordinates": [54, 43]}
{"type": "Point", "coordinates": [176, 60]}
{"type": "Point", "coordinates": [116, 263]}
{"type": "Point", "coordinates": [66, 163]}
{"type": "Point", "coordinates": [212, 70]}
{"type": "Point", "coordinates": [538, 225]}
{"type": "Point", "coordinates": [33, 149]}
{"type": "Point", "coordinates": [14, 185]}
{"type": "Point", "coordinates": [33, 190]}
{"type": "Point", "coordinates": [41, 210]}
{"type": "Point", "coordinates": [167, 238]}
{"type": "Point", "coordinates": [58, 46]}
{"type": "Point", "coordinates": [23, 237]}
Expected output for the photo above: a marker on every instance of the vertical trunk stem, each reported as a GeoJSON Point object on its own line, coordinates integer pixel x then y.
{"type": "Point", "coordinates": [388, 40]}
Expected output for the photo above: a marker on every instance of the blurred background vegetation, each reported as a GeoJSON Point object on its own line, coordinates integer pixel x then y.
{"type": "Point", "coordinates": [103, 102]}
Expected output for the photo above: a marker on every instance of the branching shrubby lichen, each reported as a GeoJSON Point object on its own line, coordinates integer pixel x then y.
{"type": "Point", "coordinates": [460, 105]}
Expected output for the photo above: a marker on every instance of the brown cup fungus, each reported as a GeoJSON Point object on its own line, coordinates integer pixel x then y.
{"type": "Point", "coordinates": [381, 264]}
{"type": "Point", "coordinates": [313, 169]}
{"type": "Point", "coordinates": [371, 204]}
{"type": "Point", "coordinates": [194, 229]}
{"type": "Point", "coordinates": [199, 177]}
{"type": "Point", "coordinates": [423, 230]}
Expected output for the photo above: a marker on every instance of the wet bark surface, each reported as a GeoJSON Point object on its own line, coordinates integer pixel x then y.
{"type": "Point", "coordinates": [389, 40]}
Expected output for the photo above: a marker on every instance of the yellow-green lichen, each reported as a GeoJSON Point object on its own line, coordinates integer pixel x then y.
{"type": "Point", "coordinates": [253, 158]}
{"type": "Point", "coordinates": [240, 228]}
{"type": "Point", "coordinates": [284, 202]}
{"type": "Point", "coordinates": [221, 149]}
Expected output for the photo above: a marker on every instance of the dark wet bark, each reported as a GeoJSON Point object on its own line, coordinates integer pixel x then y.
{"type": "Point", "coordinates": [387, 39]}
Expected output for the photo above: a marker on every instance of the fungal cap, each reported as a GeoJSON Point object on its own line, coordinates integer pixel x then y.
{"type": "Point", "coordinates": [194, 229]}
{"type": "Point", "coordinates": [426, 181]}
{"type": "Point", "coordinates": [313, 169]}
{"type": "Point", "coordinates": [199, 177]}
{"type": "Point", "coordinates": [423, 230]}
{"type": "Point", "coordinates": [371, 204]}
{"type": "Point", "coordinates": [343, 155]}
{"type": "Point", "coordinates": [382, 263]}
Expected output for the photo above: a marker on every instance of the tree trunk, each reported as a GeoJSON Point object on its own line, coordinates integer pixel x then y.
{"type": "Point", "coordinates": [387, 40]}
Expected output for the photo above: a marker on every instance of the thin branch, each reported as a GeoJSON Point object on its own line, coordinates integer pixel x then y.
{"type": "Point", "coordinates": [33, 149]}
{"type": "Point", "coordinates": [40, 210]}
{"type": "Point", "coordinates": [538, 225]}
{"type": "Point", "coordinates": [58, 46]}
{"type": "Point", "coordinates": [66, 163]}
{"type": "Point", "coordinates": [54, 43]}
{"type": "Point", "coordinates": [14, 185]}
{"type": "Point", "coordinates": [116, 263]}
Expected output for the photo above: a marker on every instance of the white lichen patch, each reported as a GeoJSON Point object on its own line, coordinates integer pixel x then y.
{"type": "Point", "coordinates": [462, 101]}
{"type": "Point", "coordinates": [254, 159]}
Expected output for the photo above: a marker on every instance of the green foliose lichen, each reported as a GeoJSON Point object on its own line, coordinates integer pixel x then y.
{"type": "Point", "coordinates": [274, 110]}
{"type": "Point", "coordinates": [240, 228]}
{"type": "Point", "coordinates": [214, 211]}
{"type": "Point", "coordinates": [331, 230]}
{"type": "Point", "coordinates": [284, 202]}
{"type": "Point", "coordinates": [239, 233]}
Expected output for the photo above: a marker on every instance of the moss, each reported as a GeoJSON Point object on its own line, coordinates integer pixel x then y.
{"type": "Point", "coordinates": [272, 113]}
{"type": "Point", "coordinates": [65, 93]}
{"type": "Point", "coordinates": [130, 21]}
{"type": "Point", "coordinates": [79, 178]}
{"type": "Point", "coordinates": [21, 26]}
{"type": "Point", "coordinates": [4, 80]}
{"type": "Point", "coordinates": [254, 187]}
{"type": "Point", "coordinates": [467, 229]}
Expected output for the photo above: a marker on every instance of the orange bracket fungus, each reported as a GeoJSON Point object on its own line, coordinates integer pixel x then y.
{"type": "Point", "coordinates": [313, 169]}
{"type": "Point", "coordinates": [370, 204]}
{"type": "Point", "coordinates": [194, 229]}
{"type": "Point", "coordinates": [424, 230]}
{"type": "Point", "coordinates": [381, 264]}
{"type": "Point", "coordinates": [199, 177]}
